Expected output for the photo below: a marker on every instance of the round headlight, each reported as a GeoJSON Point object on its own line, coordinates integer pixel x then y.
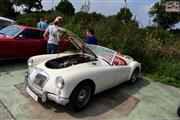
{"type": "Point", "coordinates": [30, 62]}
{"type": "Point", "coordinates": [60, 82]}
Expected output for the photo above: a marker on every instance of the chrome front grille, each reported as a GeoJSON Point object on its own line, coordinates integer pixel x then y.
{"type": "Point", "coordinates": [40, 80]}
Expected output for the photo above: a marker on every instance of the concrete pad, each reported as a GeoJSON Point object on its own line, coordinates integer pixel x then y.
{"type": "Point", "coordinates": [110, 100]}
{"type": "Point", "coordinates": [4, 113]}
{"type": "Point", "coordinates": [145, 100]}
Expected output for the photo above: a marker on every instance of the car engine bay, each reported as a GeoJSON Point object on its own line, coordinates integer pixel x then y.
{"type": "Point", "coordinates": [68, 61]}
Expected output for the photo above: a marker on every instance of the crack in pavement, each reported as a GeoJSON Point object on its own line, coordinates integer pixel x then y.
{"type": "Point", "coordinates": [5, 113]}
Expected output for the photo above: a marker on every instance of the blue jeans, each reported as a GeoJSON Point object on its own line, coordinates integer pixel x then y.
{"type": "Point", "coordinates": [52, 48]}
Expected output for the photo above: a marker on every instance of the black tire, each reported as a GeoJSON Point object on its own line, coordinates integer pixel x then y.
{"type": "Point", "coordinates": [81, 96]}
{"type": "Point", "coordinates": [178, 111]}
{"type": "Point", "coordinates": [134, 77]}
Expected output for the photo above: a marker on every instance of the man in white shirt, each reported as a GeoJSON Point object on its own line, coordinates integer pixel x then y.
{"type": "Point", "coordinates": [53, 36]}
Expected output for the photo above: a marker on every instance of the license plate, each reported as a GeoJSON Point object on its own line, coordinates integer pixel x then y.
{"type": "Point", "coordinates": [34, 96]}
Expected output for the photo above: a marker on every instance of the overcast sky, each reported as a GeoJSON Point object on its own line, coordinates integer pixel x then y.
{"type": "Point", "coordinates": [139, 8]}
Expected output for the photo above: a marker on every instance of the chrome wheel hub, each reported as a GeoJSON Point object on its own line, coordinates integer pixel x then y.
{"type": "Point", "coordinates": [83, 96]}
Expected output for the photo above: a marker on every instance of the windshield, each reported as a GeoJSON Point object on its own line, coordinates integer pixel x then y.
{"type": "Point", "coordinates": [10, 31]}
{"type": "Point", "coordinates": [102, 52]}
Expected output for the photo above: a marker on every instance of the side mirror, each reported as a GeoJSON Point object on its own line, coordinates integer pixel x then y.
{"type": "Point", "coordinates": [20, 37]}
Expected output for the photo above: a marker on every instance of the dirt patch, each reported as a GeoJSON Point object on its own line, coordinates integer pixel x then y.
{"type": "Point", "coordinates": [127, 106]}
{"type": "Point", "coordinates": [22, 89]}
{"type": "Point", "coordinates": [117, 101]}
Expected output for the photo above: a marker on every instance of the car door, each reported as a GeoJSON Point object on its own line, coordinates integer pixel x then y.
{"type": "Point", "coordinates": [104, 77]}
{"type": "Point", "coordinates": [121, 69]}
{"type": "Point", "coordinates": [122, 73]}
{"type": "Point", "coordinates": [111, 76]}
{"type": "Point", "coordinates": [6, 40]}
{"type": "Point", "coordinates": [28, 43]}
{"type": "Point", "coordinates": [3, 48]}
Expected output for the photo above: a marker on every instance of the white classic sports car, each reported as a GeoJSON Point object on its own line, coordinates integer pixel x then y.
{"type": "Point", "coordinates": [74, 76]}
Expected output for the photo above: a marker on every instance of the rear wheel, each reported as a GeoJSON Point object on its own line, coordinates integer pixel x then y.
{"type": "Point", "coordinates": [81, 96]}
{"type": "Point", "coordinates": [134, 76]}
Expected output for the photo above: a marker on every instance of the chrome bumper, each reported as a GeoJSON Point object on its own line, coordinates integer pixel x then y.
{"type": "Point", "coordinates": [45, 95]}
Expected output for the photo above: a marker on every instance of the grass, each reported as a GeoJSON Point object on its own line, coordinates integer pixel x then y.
{"type": "Point", "coordinates": [163, 79]}
{"type": "Point", "coordinates": [165, 71]}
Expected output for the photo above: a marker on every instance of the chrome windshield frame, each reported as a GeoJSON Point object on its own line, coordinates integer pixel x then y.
{"type": "Point", "coordinates": [114, 53]}
{"type": "Point", "coordinates": [113, 58]}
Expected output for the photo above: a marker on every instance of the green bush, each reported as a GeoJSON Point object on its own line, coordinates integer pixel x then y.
{"type": "Point", "coordinates": [159, 34]}
{"type": "Point", "coordinates": [165, 79]}
{"type": "Point", "coordinates": [85, 19]}
{"type": "Point", "coordinates": [31, 19]}
{"type": "Point", "coordinates": [65, 7]}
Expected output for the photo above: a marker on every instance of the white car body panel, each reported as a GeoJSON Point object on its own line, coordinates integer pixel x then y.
{"type": "Point", "coordinates": [40, 58]}
{"type": "Point", "coordinates": [107, 77]}
{"type": "Point", "coordinates": [99, 70]}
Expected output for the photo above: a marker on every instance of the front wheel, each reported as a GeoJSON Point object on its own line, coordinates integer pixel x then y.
{"type": "Point", "coordinates": [134, 76]}
{"type": "Point", "coordinates": [81, 96]}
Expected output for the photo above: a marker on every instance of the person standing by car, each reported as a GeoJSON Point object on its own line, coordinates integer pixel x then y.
{"type": "Point", "coordinates": [42, 24]}
{"type": "Point", "coordinates": [53, 36]}
{"type": "Point", "coordinates": [91, 38]}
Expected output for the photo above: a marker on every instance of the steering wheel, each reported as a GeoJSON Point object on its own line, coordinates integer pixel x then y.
{"type": "Point", "coordinates": [2, 34]}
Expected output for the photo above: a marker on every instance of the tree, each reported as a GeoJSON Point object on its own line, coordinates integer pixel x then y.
{"type": "Point", "coordinates": [124, 14]}
{"type": "Point", "coordinates": [6, 9]}
{"type": "Point", "coordinates": [161, 17]}
{"type": "Point", "coordinates": [29, 4]}
{"type": "Point", "coordinates": [65, 7]}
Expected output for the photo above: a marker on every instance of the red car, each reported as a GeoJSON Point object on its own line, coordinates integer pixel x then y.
{"type": "Point", "coordinates": [21, 42]}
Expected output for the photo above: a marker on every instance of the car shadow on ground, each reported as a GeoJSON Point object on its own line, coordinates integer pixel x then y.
{"type": "Point", "coordinates": [119, 99]}
{"type": "Point", "coordinates": [13, 65]}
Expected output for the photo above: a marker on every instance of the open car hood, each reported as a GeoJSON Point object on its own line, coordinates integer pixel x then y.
{"type": "Point", "coordinates": [80, 44]}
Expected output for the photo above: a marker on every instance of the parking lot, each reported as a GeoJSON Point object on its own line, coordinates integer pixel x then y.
{"type": "Point", "coordinates": [145, 100]}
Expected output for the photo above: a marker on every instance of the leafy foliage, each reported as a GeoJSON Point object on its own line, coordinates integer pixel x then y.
{"type": "Point", "coordinates": [124, 14]}
{"type": "Point", "coordinates": [85, 19]}
{"type": "Point", "coordinates": [161, 17]}
{"type": "Point", "coordinates": [6, 9]}
{"type": "Point", "coordinates": [65, 7]}
{"type": "Point", "coordinates": [29, 4]}
{"type": "Point", "coordinates": [31, 19]}
{"type": "Point", "coordinates": [159, 34]}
